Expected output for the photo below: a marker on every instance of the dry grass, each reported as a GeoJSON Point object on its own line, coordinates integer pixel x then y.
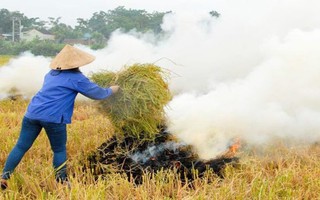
{"type": "Point", "coordinates": [4, 59]}
{"type": "Point", "coordinates": [274, 172]}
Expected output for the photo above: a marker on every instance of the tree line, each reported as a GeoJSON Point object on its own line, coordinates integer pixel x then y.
{"type": "Point", "coordinates": [98, 28]}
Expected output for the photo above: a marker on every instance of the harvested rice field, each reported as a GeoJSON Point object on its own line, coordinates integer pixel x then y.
{"type": "Point", "coordinates": [4, 59]}
{"type": "Point", "coordinates": [262, 172]}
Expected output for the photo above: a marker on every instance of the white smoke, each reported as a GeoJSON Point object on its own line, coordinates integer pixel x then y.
{"type": "Point", "coordinates": [154, 151]}
{"type": "Point", "coordinates": [266, 83]}
{"type": "Point", "coordinates": [24, 73]}
{"type": "Point", "coordinates": [252, 73]}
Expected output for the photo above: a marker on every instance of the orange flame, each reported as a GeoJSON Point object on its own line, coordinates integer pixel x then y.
{"type": "Point", "coordinates": [233, 149]}
{"type": "Point", "coordinates": [176, 164]}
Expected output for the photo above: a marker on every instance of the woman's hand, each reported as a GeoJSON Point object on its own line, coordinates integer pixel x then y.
{"type": "Point", "coordinates": [114, 88]}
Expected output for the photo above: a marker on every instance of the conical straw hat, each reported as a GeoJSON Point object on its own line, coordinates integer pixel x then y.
{"type": "Point", "coordinates": [70, 57]}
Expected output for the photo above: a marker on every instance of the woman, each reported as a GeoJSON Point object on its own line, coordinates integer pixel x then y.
{"type": "Point", "coordinates": [52, 107]}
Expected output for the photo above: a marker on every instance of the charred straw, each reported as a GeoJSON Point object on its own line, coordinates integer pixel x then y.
{"type": "Point", "coordinates": [141, 143]}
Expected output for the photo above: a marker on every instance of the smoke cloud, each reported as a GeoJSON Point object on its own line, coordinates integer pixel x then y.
{"type": "Point", "coordinates": [252, 73]}
{"type": "Point", "coordinates": [154, 151]}
{"type": "Point", "coordinates": [24, 73]}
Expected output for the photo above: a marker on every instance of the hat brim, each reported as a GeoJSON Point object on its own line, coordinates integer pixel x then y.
{"type": "Point", "coordinates": [71, 57]}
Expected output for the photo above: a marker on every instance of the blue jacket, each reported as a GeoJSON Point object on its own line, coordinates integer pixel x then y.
{"type": "Point", "coordinates": [55, 101]}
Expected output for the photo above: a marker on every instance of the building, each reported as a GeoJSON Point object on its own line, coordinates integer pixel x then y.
{"type": "Point", "coordinates": [33, 34]}
{"type": "Point", "coordinates": [5, 36]}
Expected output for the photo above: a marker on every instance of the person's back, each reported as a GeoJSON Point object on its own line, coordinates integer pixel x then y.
{"type": "Point", "coordinates": [55, 100]}
{"type": "Point", "coordinates": [52, 108]}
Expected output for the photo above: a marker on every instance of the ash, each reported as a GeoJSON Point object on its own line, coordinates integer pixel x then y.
{"type": "Point", "coordinates": [135, 157]}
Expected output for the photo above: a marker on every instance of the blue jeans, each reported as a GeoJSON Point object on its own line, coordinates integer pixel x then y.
{"type": "Point", "coordinates": [57, 134]}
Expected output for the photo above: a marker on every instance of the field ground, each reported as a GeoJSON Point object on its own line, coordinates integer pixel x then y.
{"type": "Point", "coordinates": [270, 172]}
{"type": "Point", "coordinates": [4, 59]}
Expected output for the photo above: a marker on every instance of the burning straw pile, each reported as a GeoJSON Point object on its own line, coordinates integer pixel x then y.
{"type": "Point", "coordinates": [141, 143]}
{"type": "Point", "coordinates": [135, 158]}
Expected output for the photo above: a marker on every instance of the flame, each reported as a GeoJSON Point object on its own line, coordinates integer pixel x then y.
{"type": "Point", "coordinates": [153, 158]}
{"type": "Point", "coordinates": [176, 164]}
{"type": "Point", "coordinates": [233, 149]}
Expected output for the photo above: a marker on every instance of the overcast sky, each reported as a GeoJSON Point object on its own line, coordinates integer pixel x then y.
{"type": "Point", "coordinates": [70, 10]}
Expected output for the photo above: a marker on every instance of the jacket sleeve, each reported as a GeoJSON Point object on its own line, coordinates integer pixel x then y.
{"type": "Point", "coordinates": [92, 90]}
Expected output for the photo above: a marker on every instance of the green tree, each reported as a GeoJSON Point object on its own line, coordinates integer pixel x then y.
{"type": "Point", "coordinates": [97, 29]}
{"type": "Point", "coordinates": [123, 19]}
{"type": "Point", "coordinates": [61, 30]}
{"type": "Point", "coordinates": [5, 21]}
{"type": "Point", "coordinates": [45, 48]}
{"type": "Point", "coordinates": [155, 21]}
{"type": "Point", "coordinates": [214, 13]}
{"type": "Point", "coordinates": [127, 19]}
{"type": "Point", "coordinates": [98, 22]}
{"type": "Point", "coordinates": [82, 26]}
{"type": "Point", "coordinates": [98, 41]}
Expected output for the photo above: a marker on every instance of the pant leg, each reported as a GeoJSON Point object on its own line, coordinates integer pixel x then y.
{"type": "Point", "coordinates": [29, 132]}
{"type": "Point", "coordinates": [57, 134]}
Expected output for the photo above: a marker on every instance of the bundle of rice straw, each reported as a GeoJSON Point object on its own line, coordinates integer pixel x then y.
{"type": "Point", "coordinates": [138, 108]}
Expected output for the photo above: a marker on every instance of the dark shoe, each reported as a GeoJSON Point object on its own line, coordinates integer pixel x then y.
{"type": "Point", "coordinates": [4, 184]}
